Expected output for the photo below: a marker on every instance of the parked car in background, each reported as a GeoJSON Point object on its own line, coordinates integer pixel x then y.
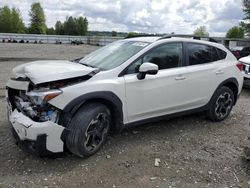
{"type": "Point", "coordinates": [236, 51]}
{"type": "Point", "coordinates": [77, 42]}
{"type": "Point", "coordinates": [246, 70]}
{"type": "Point", "coordinates": [55, 106]}
{"type": "Point", "coordinates": [240, 51]}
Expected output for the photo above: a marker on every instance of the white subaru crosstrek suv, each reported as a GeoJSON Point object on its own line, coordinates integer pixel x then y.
{"type": "Point", "coordinates": [246, 70]}
{"type": "Point", "coordinates": [55, 106]}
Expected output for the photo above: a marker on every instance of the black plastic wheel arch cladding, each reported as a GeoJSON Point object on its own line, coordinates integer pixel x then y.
{"type": "Point", "coordinates": [233, 84]}
{"type": "Point", "coordinates": [107, 98]}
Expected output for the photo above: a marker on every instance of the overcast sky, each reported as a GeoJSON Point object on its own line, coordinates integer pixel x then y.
{"type": "Point", "coordinates": [151, 16]}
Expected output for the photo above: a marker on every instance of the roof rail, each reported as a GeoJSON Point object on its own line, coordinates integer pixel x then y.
{"type": "Point", "coordinates": [188, 36]}
{"type": "Point", "coordinates": [144, 35]}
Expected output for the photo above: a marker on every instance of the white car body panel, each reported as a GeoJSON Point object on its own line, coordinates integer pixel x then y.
{"type": "Point", "coordinates": [101, 82]}
{"type": "Point", "coordinates": [50, 70]}
{"type": "Point", "coordinates": [171, 94]}
{"type": "Point", "coordinates": [245, 60]}
{"type": "Point", "coordinates": [20, 85]}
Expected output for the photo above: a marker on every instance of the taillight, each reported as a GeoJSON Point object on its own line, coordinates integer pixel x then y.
{"type": "Point", "coordinates": [240, 66]}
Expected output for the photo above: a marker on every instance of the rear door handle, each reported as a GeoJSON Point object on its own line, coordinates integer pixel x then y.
{"type": "Point", "coordinates": [180, 77]}
{"type": "Point", "coordinates": [219, 72]}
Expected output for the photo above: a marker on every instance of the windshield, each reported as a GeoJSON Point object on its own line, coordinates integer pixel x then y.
{"type": "Point", "coordinates": [113, 55]}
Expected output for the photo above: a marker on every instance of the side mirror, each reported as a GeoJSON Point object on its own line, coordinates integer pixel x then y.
{"type": "Point", "coordinates": [147, 68]}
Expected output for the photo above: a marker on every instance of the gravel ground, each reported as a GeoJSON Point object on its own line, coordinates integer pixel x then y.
{"type": "Point", "coordinates": [193, 151]}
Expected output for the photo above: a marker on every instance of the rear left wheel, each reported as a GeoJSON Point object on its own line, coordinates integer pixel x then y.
{"type": "Point", "coordinates": [221, 104]}
{"type": "Point", "coordinates": [88, 129]}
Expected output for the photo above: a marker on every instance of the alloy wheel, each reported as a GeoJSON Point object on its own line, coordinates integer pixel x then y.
{"type": "Point", "coordinates": [224, 104]}
{"type": "Point", "coordinates": [96, 131]}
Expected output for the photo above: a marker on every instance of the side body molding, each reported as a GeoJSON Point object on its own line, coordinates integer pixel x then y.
{"type": "Point", "coordinates": [233, 84]}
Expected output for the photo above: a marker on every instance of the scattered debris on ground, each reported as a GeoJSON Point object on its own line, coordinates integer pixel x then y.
{"type": "Point", "coordinates": [157, 162]}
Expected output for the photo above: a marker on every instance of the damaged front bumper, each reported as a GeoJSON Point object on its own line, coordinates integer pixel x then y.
{"type": "Point", "coordinates": [41, 135]}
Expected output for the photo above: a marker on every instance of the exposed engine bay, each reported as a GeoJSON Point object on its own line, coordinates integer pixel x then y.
{"type": "Point", "coordinates": [28, 106]}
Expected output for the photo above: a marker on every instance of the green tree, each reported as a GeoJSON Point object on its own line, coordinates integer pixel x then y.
{"type": "Point", "coordinates": [235, 32]}
{"type": "Point", "coordinates": [132, 34]}
{"type": "Point", "coordinates": [201, 31]}
{"type": "Point", "coordinates": [11, 21]}
{"type": "Point", "coordinates": [81, 26]}
{"type": "Point", "coordinates": [17, 22]}
{"type": "Point", "coordinates": [5, 20]}
{"type": "Point", "coordinates": [37, 19]}
{"type": "Point", "coordinates": [50, 31]}
{"type": "Point", "coordinates": [59, 30]}
{"type": "Point", "coordinates": [70, 26]}
{"type": "Point", "coordinates": [246, 24]}
{"type": "Point", "coordinates": [86, 24]}
{"type": "Point", "coordinates": [114, 33]}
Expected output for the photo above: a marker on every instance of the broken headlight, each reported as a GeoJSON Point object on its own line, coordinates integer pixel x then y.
{"type": "Point", "coordinates": [42, 97]}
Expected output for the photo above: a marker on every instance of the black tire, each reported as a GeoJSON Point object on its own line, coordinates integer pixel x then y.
{"type": "Point", "coordinates": [88, 129]}
{"type": "Point", "coordinates": [221, 104]}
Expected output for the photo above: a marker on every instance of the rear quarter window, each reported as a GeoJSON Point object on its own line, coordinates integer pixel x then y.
{"type": "Point", "coordinates": [221, 54]}
{"type": "Point", "coordinates": [201, 53]}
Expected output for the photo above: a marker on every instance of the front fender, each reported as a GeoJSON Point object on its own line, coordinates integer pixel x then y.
{"type": "Point", "coordinates": [108, 98]}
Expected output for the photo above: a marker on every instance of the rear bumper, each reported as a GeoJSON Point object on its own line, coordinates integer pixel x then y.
{"type": "Point", "coordinates": [38, 137]}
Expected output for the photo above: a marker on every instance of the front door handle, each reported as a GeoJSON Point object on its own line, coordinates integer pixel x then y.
{"type": "Point", "coordinates": [180, 77]}
{"type": "Point", "coordinates": [219, 72]}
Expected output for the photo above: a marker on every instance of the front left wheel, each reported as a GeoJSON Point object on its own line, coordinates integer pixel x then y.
{"type": "Point", "coordinates": [88, 129]}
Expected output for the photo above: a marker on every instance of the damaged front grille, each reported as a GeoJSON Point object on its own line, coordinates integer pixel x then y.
{"type": "Point", "coordinates": [23, 103]}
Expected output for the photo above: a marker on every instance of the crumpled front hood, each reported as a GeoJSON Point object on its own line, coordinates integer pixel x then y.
{"type": "Point", "coordinates": [51, 70]}
{"type": "Point", "coordinates": [245, 60]}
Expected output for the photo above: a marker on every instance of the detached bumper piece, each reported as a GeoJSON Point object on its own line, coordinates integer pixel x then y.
{"type": "Point", "coordinates": [37, 147]}
{"type": "Point", "coordinates": [41, 138]}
